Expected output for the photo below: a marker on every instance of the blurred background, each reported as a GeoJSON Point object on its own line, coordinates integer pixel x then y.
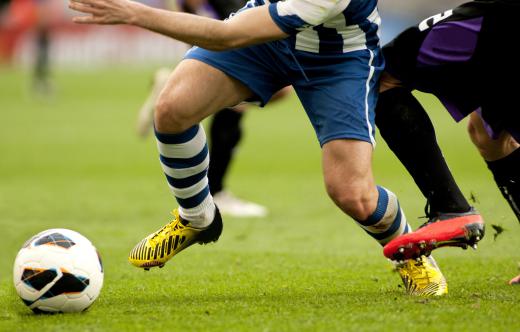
{"type": "Point", "coordinates": [29, 29]}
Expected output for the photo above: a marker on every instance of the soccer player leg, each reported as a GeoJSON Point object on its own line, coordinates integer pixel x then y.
{"type": "Point", "coordinates": [340, 101]}
{"type": "Point", "coordinates": [405, 126]}
{"type": "Point", "coordinates": [502, 155]}
{"type": "Point", "coordinates": [194, 91]}
{"type": "Point", "coordinates": [350, 184]}
{"type": "Point", "coordinates": [348, 178]}
{"type": "Point", "coordinates": [409, 133]}
{"type": "Point", "coordinates": [342, 114]}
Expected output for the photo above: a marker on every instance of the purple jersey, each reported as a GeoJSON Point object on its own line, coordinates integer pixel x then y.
{"type": "Point", "coordinates": [463, 57]}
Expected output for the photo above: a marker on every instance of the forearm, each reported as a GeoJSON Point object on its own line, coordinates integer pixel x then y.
{"type": "Point", "coordinates": [188, 28]}
{"type": "Point", "coordinates": [252, 26]}
{"type": "Point", "coordinates": [247, 28]}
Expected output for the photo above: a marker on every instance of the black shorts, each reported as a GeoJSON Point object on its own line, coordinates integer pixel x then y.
{"type": "Point", "coordinates": [464, 57]}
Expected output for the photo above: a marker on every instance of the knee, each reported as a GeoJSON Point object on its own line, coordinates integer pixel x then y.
{"type": "Point", "coordinates": [480, 140]}
{"type": "Point", "coordinates": [489, 148]}
{"type": "Point", "coordinates": [171, 114]}
{"type": "Point", "coordinates": [475, 134]}
{"type": "Point", "coordinates": [388, 82]}
{"type": "Point", "coordinates": [358, 199]}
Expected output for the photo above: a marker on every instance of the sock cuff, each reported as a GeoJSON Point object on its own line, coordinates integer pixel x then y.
{"type": "Point", "coordinates": [382, 206]}
{"type": "Point", "coordinates": [180, 138]}
{"type": "Point", "coordinates": [200, 216]}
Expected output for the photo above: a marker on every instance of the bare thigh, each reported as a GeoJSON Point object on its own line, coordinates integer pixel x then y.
{"type": "Point", "coordinates": [194, 91]}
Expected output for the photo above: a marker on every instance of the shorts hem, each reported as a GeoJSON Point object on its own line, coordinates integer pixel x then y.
{"type": "Point", "coordinates": [258, 96]}
{"type": "Point", "coordinates": [352, 136]}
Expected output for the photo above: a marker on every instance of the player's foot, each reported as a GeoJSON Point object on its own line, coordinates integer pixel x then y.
{"type": "Point", "coordinates": [157, 248]}
{"type": "Point", "coordinates": [446, 229]}
{"type": "Point", "coordinates": [235, 207]}
{"type": "Point", "coordinates": [515, 280]}
{"type": "Point", "coordinates": [422, 277]}
{"type": "Point", "coordinates": [145, 117]}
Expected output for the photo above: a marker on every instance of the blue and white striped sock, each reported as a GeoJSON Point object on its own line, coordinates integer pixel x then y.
{"type": "Point", "coordinates": [185, 160]}
{"type": "Point", "coordinates": [388, 220]}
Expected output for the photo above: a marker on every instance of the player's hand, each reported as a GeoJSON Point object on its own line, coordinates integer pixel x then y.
{"type": "Point", "coordinates": [104, 11]}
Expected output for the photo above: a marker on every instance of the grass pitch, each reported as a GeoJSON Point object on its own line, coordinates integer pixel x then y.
{"type": "Point", "coordinates": [74, 161]}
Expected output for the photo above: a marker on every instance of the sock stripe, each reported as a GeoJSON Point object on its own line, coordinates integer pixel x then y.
{"type": "Point", "coordinates": [193, 201]}
{"type": "Point", "coordinates": [185, 182]}
{"type": "Point", "coordinates": [190, 191]}
{"type": "Point", "coordinates": [391, 230]}
{"type": "Point", "coordinates": [382, 206]}
{"type": "Point", "coordinates": [186, 172]}
{"type": "Point", "coordinates": [184, 159]}
{"type": "Point", "coordinates": [183, 163]}
{"type": "Point", "coordinates": [184, 137]}
{"type": "Point", "coordinates": [186, 149]}
{"type": "Point", "coordinates": [399, 231]}
{"type": "Point", "coordinates": [388, 220]}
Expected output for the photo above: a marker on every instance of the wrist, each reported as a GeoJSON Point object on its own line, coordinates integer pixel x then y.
{"type": "Point", "coordinates": [136, 11]}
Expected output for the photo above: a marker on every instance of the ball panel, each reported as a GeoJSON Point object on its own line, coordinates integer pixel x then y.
{"type": "Point", "coordinates": [68, 283]}
{"type": "Point", "coordinates": [55, 239]}
{"type": "Point", "coordinates": [38, 278]}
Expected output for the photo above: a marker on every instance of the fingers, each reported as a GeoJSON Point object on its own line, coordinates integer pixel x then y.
{"type": "Point", "coordinates": [83, 8]}
{"type": "Point", "coordinates": [92, 3]}
{"type": "Point", "coordinates": [101, 11]}
{"type": "Point", "coordinates": [95, 8]}
{"type": "Point", "coordinates": [85, 20]}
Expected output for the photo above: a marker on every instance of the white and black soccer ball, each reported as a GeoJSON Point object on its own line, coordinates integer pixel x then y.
{"type": "Point", "coordinates": [58, 270]}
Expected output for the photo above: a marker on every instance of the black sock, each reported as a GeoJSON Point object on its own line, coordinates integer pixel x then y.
{"type": "Point", "coordinates": [225, 134]}
{"type": "Point", "coordinates": [506, 172]}
{"type": "Point", "coordinates": [408, 131]}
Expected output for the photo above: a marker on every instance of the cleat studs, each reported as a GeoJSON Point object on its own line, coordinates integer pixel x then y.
{"type": "Point", "coordinates": [422, 245]}
{"type": "Point", "coordinates": [474, 246]}
{"type": "Point", "coordinates": [464, 246]}
{"type": "Point", "coordinates": [401, 250]}
{"type": "Point", "coordinates": [161, 266]}
{"type": "Point", "coordinates": [477, 238]}
{"type": "Point", "coordinates": [147, 269]}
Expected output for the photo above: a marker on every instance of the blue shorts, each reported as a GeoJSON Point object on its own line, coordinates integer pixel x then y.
{"type": "Point", "coordinates": [338, 92]}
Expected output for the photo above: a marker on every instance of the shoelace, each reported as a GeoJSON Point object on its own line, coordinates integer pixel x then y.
{"type": "Point", "coordinates": [428, 214]}
{"type": "Point", "coordinates": [174, 225]}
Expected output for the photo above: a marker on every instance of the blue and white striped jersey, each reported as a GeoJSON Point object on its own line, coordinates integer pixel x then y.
{"type": "Point", "coordinates": [326, 26]}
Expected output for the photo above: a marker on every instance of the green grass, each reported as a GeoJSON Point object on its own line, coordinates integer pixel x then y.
{"type": "Point", "coordinates": [74, 161]}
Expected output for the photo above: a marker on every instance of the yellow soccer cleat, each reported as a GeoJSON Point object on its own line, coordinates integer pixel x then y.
{"type": "Point", "coordinates": [157, 248]}
{"type": "Point", "coordinates": [422, 277]}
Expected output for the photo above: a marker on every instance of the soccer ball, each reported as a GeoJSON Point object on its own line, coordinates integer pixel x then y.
{"type": "Point", "coordinates": [58, 270]}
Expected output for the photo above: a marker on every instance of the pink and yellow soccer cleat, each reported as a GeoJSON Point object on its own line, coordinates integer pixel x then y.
{"type": "Point", "coordinates": [445, 230]}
